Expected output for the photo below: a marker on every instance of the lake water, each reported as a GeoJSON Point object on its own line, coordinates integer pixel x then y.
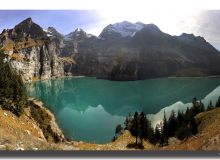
{"type": "Point", "coordinates": [89, 109]}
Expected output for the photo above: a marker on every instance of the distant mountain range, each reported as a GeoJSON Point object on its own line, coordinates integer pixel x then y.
{"type": "Point", "coordinates": [123, 51]}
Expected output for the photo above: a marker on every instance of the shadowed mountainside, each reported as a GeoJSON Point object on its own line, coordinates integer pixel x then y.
{"type": "Point", "coordinates": [123, 51]}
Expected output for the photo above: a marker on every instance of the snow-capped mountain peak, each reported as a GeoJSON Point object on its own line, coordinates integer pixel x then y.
{"type": "Point", "coordinates": [125, 28]}
{"type": "Point", "coordinates": [141, 24]}
{"type": "Point", "coordinates": [77, 35]}
{"type": "Point", "coordinates": [50, 31]}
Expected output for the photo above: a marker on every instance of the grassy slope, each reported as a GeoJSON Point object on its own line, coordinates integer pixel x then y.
{"type": "Point", "coordinates": [207, 139]}
{"type": "Point", "coordinates": [14, 132]}
{"type": "Point", "coordinates": [122, 143]}
{"type": "Point", "coordinates": [208, 133]}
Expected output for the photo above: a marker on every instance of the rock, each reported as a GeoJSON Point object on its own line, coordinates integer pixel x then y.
{"type": "Point", "coordinates": [20, 149]}
{"type": "Point", "coordinates": [73, 142]}
{"type": "Point", "coordinates": [2, 147]}
{"type": "Point", "coordinates": [40, 139]}
{"type": "Point", "coordinates": [10, 128]}
{"type": "Point", "coordinates": [5, 114]}
{"type": "Point", "coordinates": [28, 132]}
{"type": "Point", "coordinates": [174, 140]}
{"type": "Point", "coordinates": [35, 149]}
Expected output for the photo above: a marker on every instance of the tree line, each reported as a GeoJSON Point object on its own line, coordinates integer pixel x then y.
{"type": "Point", "coordinates": [181, 125]}
{"type": "Point", "coordinates": [44, 120]}
{"type": "Point", "coordinates": [14, 98]}
{"type": "Point", "coordinates": [12, 89]}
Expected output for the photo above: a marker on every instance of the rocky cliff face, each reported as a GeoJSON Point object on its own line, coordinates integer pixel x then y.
{"type": "Point", "coordinates": [122, 51]}
{"type": "Point", "coordinates": [31, 52]}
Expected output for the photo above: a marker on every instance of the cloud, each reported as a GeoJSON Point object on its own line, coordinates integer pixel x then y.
{"type": "Point", "coordinates": [205, 23]}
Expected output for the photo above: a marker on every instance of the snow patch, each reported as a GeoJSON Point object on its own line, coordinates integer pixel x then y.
{"type": "Point", "coordinates": [46, 30]}
{"type": "Point", "coordinates": [125, 28]}
{"type": "Point", "coordinates": [100, 38]}
{"type": "Point", "coordinates": [68, 37]}
{"type": "Point", "coordinates": [78, 32]}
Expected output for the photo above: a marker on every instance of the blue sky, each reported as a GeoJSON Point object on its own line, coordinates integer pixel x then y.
{"type": "Point", "coordinates": [64, 21]}
{"type": "Point", "coordinates": [92, 16]}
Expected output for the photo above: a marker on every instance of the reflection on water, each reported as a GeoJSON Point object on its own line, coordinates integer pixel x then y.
{"type": "Point", "coordinates": [88, 126]}
{"type": "Point", "coordinates": [89, 109]}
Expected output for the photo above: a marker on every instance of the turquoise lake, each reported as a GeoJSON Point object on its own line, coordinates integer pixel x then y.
{"type": "Point", "coordinates": [89, 109]}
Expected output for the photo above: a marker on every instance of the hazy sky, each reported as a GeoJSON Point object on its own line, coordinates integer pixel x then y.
{"type": "Point", "coordinates": [92, 16]}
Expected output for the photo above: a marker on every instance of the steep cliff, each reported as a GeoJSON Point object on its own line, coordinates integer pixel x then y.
{"type": "Point", "coordinates": [31, 52]}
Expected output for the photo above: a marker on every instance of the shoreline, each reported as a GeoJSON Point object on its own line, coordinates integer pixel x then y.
{"type": "Point", "coordinates": [197, 77]}
{"type": "Point", "coordinates": [36, 80]}
{"type": "Point", "coordinates": [53, 123]}
{"type": "Point", "coordinates": [108, 79]}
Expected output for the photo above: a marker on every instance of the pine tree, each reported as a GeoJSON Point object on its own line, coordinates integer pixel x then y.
{"type": "Point", "coordinates": [195, 108]}
{"type": "Point", "coordinates": [11, 86]}
{"type": "Point", "coordinates": [165, 129]}
{"type": "Point", "coordinates": [162, 140]}
{"type": "Point", "coordinates": [179, 118]}
{"type": "Point", "coordinates": [187, 111]}
{"type": "Point", "coordinates": [113, 139]}
{"type": "Point", "coordinates": [130, 118]}
{"type": "Point", "coordinates": [118, 130]}
{"type": "Point", "coordinates": [128, 121]}
{"type": "Point", "coordinates": [151, 136]}
{"type": "Point", "coordinates": [195, 102]}
{"type": "Point", "coordinates": [143, 127]}
{"type": "Point", "coordinates": [19, 95]}
{"type": "Point", "coordinates": [217, 103]}
{"type": "Point", "coordinates": [157, 133]}
{"type": "Point", "coordinates": [202, 107]}
{"type": "Point", "coordinates": [172, 124]}
{"type": "Point", "coordinates": [135, 126]}
{"type": "Point", "coordinates": [210, 106]}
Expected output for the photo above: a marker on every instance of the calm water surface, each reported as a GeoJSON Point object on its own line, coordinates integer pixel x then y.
{"type": "Point", "coordinates": [89, 109]}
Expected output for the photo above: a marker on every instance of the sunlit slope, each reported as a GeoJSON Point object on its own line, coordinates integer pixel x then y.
{"type": "Point", "coordinates": [21, 133]}
{"type": "Point", "coordinates": [208, 133]}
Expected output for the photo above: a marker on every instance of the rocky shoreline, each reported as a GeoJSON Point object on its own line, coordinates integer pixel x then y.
{"type": "Point", "coordinates": [53, 123]}
{"type": "Point", "coordinates": [54, 78]}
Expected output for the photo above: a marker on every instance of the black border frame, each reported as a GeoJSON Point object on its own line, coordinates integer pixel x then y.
{"type": "Point", "coordinates": [112, 154]}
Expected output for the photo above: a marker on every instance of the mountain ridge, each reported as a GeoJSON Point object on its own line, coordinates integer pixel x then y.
{"type": "Point", "coordinates": [122, 51]}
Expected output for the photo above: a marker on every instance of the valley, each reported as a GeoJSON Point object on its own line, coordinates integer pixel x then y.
{"type": "Point", "coordinates": [81, 86]}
